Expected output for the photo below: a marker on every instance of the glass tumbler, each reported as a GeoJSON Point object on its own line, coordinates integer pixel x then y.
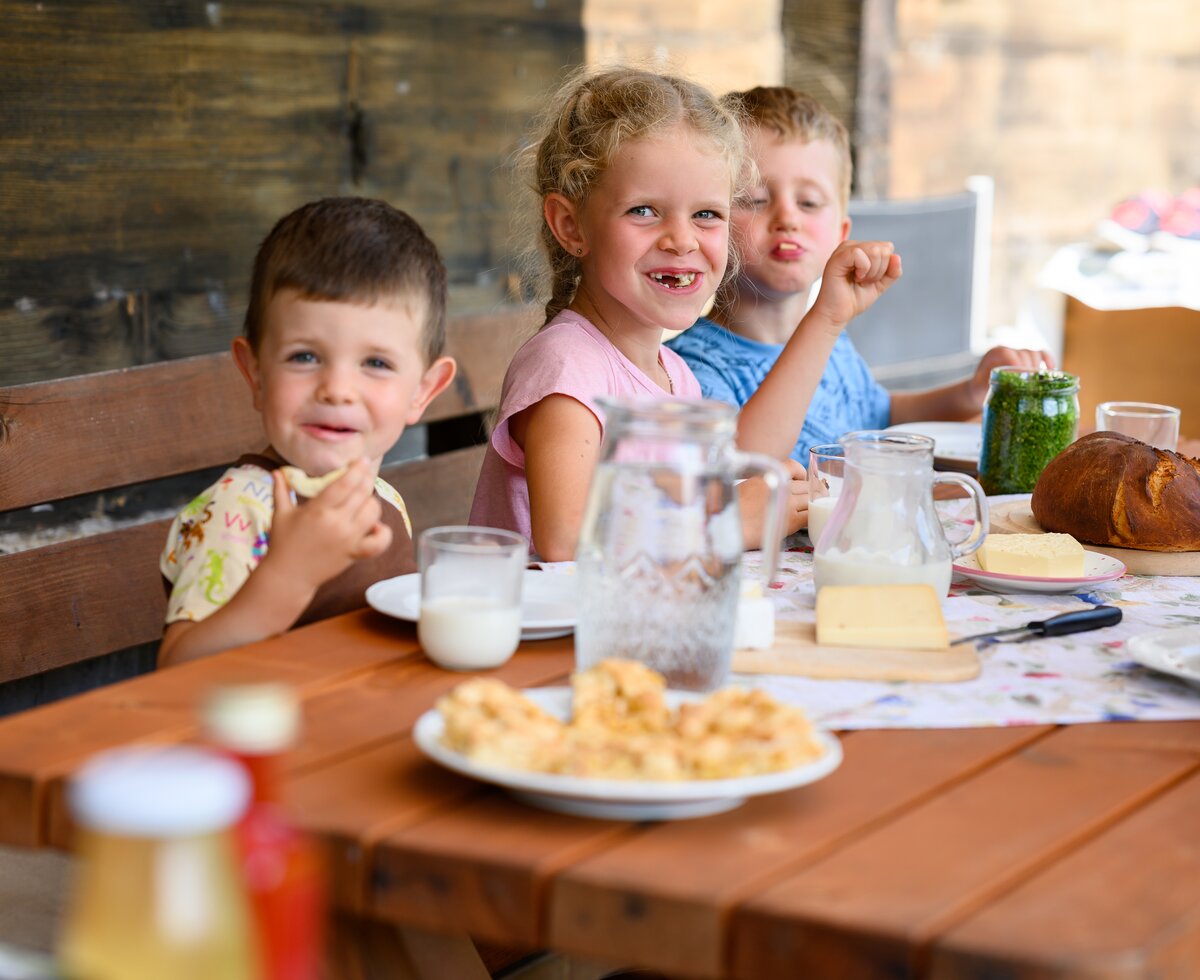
{"type": "Point", "coordinates": [471, 581]}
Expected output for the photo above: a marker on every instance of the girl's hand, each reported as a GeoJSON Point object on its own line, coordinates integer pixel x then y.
{"type": "Point", "coordinates": [754, 498]}
{"type": "Point", "coordinates": [856, 275]}
{"type": "Point", "coordinates": [321, 539]}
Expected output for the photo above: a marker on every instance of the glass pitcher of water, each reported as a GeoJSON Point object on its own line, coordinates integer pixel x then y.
{"type": "Point", "coordinates": [660, 549]}
{"type": "Point", "coordinates": [884, 529]}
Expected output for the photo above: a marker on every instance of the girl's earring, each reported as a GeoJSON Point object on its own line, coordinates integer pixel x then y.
{"type": "Point", "coordinates": [579, 251]}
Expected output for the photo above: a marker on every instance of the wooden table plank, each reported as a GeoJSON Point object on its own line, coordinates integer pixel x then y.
{"type": "Point", "coordinates": [357, 775]}
{"type": "Point", "coordinates": [484, 865]}
{"type": "Point", "coordinates": [873, 908]}
{"type": "Point", "coordinates": [1125, 905]}
{"type": "Point", "coordinates": [667, 892]}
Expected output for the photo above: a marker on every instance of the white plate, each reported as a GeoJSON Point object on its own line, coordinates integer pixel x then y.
{"type": "Point", "coordinates": [620, 799]}
{"type": "Point", "coordinates": [548, 602]}
{"type": "Point", "coordinates": [1173, 651]}
{"type": "Point", "coordinates": [957, 441]}
{"type": "Point", "coordinates": [1097, 568]}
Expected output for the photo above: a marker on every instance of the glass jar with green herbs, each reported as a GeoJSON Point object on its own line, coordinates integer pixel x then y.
{"type": "Point", "coordinates": [1029, 417]}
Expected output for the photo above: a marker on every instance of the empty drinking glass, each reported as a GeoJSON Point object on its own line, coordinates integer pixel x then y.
{"type": "Point", "coordinates": [1155, 425]}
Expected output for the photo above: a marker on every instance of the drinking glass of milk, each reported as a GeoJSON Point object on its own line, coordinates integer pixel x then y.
{"type": "Point", "coordinates": [884, 529]}
{"type": "Point", "coordinates": [470, 595]}
{"type": "Point", "coordinates": [826, 470]}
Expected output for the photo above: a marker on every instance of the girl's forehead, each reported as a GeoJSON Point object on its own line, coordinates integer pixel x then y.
{"type": "Point", "coordinates": [679, 156]}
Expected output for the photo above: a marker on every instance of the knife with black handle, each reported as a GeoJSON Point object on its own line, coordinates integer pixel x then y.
{"type": "Point", "coordinates": [1078, 621]}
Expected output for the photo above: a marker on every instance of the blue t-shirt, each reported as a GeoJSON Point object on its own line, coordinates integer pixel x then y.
{"type": "Point", "coordinates": [730, 368]}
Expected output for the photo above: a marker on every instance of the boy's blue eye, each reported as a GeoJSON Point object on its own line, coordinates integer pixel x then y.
{"type": "Point", "coordinates": [378, 363]}
{"type": "Point", "coordinates": [303, 357]}
{"type": "Point", "coordinates": [708, 215]}
{"type": "Point", "coordinates": [641, 211]}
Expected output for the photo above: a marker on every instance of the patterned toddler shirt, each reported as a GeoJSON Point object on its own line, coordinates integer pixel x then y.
{"type": "Point", "coordinates": [218, 539]}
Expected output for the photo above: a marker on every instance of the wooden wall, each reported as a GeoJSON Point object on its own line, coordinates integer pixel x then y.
{"type": "Point", "coordinates": [147, 147]}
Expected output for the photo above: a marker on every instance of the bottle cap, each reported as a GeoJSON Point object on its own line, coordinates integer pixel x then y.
{"type": "Point", "coordinates": [252, 719]}
{"type": "Point", "coordinates": [159, 791]}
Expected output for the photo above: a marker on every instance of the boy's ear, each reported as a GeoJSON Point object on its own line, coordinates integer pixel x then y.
{"type": "Point", "coordinates": [845, 229]}
{"type": "Point", "coordinates": [247, 363]}
{"type": "Point", "coordinates": [562, 218]}
{"type": "Point", "coordinates": [434, 381]}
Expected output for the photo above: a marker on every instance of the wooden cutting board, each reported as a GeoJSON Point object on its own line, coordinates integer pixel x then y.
{"type": "Point", "coordinates": [1015, 517]}
{"type": "Point", "coordinates": [796, 652]}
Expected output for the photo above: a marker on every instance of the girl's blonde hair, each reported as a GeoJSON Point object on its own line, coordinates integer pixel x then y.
{"type": "Point", "coordinates": [583, 127]}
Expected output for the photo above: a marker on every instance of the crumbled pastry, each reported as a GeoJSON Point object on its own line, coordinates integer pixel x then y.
{"type": "Point", "coordinates": [620, 696]}
{"type": "Point", "coordinates": [488, 721]}
{"type": "Point", "coordinates": [739, 732]}
{"type": "Point", "coordinates": [309, 486]}
{"type": "Point", "coordinates": [622, 729]}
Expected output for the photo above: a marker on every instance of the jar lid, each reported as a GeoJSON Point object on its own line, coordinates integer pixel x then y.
{"type": "Point", "coordinates": [252, 719]}
{"type": "Point", "coordinates": [159, 791]}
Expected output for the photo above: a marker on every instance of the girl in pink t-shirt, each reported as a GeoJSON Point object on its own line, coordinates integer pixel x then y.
{"type": "Point", "coordinates": [635, 174]}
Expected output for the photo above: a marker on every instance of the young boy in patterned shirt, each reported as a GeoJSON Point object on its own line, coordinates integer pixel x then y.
{"type": "Point", "coordinates": [342, 349]}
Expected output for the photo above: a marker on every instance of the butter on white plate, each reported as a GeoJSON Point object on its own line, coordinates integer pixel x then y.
{"type": "Point", "coordinates": [907, 617]}
{"type": "Point", "coordinates": [755, 623]}
{"type": "Point", "coordinates": [1033, 555]}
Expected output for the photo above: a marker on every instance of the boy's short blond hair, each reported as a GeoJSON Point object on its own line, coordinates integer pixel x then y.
{"type": "Point", "coordinates": [793, 115]}
{"type": "Point", "coordinates": [351, 250]}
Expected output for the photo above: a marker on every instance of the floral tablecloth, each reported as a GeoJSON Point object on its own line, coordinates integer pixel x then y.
{"type": "Point", "coordinates": [1083, 677]}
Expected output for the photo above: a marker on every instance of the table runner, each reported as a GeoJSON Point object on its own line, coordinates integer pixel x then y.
{"type": "Point", "coordinates": [1084, 677]}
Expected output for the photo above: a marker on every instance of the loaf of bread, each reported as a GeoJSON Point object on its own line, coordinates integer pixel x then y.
{"type": "Point", "coordinates": [1109, 489]}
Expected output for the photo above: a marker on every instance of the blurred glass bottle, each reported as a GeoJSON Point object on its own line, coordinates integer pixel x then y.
{"type": "Point", "coordinates": [157, 893]}
{"type": "Point", "coordinates": [281, 868]}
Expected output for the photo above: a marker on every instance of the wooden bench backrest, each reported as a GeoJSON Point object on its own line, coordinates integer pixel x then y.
{"type": "Point", "coordinates": [74, 600]}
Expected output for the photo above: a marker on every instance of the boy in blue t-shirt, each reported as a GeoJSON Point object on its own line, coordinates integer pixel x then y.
{"type": "Point", "coordinates": [787, 227]}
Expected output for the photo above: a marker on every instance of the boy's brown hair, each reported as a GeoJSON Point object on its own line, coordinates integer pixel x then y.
{"type": "Point", "coordinates": [355, 250]}
{"type": "Point", "coordinates": [793, 115]}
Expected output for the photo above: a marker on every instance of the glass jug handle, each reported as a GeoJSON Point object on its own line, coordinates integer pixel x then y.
{"type": "Point", "coordinates": [972, 541]}
{"type": "Point", "coordinates": [776, 477]}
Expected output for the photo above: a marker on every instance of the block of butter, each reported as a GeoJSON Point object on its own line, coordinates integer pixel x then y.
{"type": "Point", "coordinates": [1038, 555]}
{"type": "Point", "coordinates": [894, 616]}
{"type": "Point", "coordinates": [755, 624]}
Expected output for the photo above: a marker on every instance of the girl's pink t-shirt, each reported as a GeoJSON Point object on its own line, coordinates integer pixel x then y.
{"type": "Point", "coordinates": [568, 356]}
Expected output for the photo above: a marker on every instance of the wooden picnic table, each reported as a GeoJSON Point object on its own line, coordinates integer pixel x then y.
{"type": "Point", "coordinates": [1036, 851]}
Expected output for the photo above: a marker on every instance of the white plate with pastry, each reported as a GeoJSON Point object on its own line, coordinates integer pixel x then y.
{"type": "Point", "coordinates": [957, 442]}
{"type": "Point", "coordinates": [621, 799]}
{"type": "Point", "coordinates": [549, 603]}
{"type": "Point", "coordinates": [1174, 651]}
{"type": "Point", "coordinates": [1097, 569]}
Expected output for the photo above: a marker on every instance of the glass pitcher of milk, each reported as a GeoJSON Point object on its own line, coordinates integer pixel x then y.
{"type": "Point", "coordinates": [884, 529]}
{"type": "Point", "coordinates": [659, 553]}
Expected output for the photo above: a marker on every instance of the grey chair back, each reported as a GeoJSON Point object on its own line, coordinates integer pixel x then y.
{"type": "Point", "coordinates": [923, 330]}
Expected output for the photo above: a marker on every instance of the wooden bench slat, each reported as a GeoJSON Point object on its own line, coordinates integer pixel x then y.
{"type": "Point", "coordinates": [70, 601]}
{"type": "Point", "coordinates": [78, 435]}
{"type": "Point", "coordinates": [943, 861]}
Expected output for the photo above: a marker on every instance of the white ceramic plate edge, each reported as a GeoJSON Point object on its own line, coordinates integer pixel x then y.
{"type": "Point", "coordinates": [1106, 569]}
{"type": "Point", "coordinates": [386, 595]}
{"type": "Point", "coordinates": [621, 798]}
{"type": "Point", "coordinates": [955, 438]}
{"type": "Point", "coordinates": [1154, 650]}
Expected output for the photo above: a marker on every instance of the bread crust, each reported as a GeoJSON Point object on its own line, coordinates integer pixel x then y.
{"type": "Point", "coordinates": [1110, 489]}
